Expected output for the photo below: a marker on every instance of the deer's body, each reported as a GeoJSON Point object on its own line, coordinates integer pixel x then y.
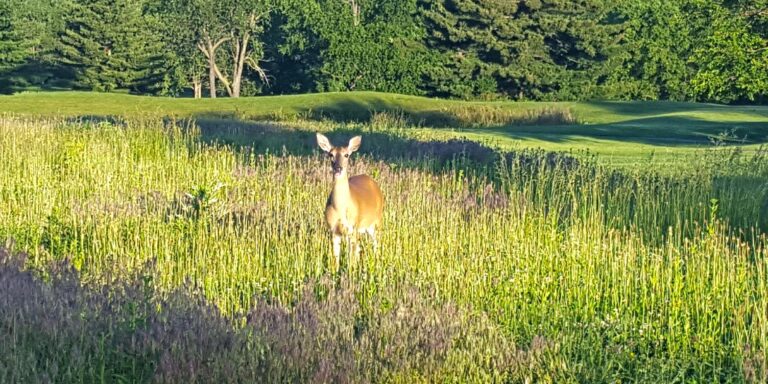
{"type": "Point", "coordinates": [355, 204]}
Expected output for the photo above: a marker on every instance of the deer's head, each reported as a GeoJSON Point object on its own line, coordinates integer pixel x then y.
{"type": "Point", "coordinates": [339, 155]}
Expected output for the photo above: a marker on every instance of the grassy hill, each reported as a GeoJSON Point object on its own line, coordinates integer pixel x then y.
{"type": "Point", "coordinates": [622, 133]}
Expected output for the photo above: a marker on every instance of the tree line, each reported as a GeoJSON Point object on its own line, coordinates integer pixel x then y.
{"type": "Point", "coordinates": [700, 50]}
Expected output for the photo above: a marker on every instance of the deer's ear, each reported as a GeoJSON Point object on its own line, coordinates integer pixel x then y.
{"type": "Point", "coordinates": [354, 144]}
{"type": "Point", "coordinates": [323, 142]}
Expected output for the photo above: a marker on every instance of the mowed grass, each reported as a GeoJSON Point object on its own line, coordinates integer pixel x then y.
{"type": "Point", "coordinates": [494, 267]}
{"type": "Point", "coordinates": [623, 134]}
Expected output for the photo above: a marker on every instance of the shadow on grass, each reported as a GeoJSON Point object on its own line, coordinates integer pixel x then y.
{"type": "Point", "coordinates": [657, 131]}
{"type": "Point", "coordinates": [741, 204]}
{"type": "Point", "coordinates": [743, 194]}
{"type": "Point", "coordinates": [428, 115]}
{"type": "Point", "coordinates": [643, 107]}
{"type": "Point", "coordinates": [386, 146]}
{"type": "Point", "coordinates": [554, 124]}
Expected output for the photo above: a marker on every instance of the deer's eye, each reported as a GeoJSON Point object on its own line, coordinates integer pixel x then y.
{"type": "Point", "coordinates": [346, 155]}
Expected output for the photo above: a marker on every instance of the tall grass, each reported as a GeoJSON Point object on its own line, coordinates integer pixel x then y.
{"type": "Point", "coordinates": [616, 276]}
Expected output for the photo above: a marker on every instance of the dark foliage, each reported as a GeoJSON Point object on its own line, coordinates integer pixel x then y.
{"type": "Point", "coordinates": [711, 50]}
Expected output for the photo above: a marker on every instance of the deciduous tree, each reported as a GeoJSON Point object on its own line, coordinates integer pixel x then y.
{"type": "Point", "coordinates": [229, 26]}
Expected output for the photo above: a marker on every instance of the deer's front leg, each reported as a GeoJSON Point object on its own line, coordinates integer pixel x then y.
{"type": "Point", "coordinates": [371, 231]}
{"type": "Point", "coordinates": [336, 247]}
{"type": "Point", "coordinates": [353, 248]}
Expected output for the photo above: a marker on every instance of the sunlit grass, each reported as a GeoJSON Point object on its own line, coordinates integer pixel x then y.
{"type": "Point", "coordinates": [622, 134]}
{"type": "Point", "coordinates": [627, 276]}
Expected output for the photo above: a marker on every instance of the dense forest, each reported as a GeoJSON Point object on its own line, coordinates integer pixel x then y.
{"type": "Point", "coordinates": [699, 50]}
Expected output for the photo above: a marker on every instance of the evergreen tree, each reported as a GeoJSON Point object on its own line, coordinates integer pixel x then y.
{"type": "Point", "coordinates": [108, 43]}
{"type": "Point", "coordinates": [156, 66]}
{"type": "Point", "coordinates": [14, 48]}
{"type": "Point", "coordinates": [522, 49]}
{"type": "Point", "coordinates": [184, 64]}
{"type": "Point", "coordinates": [36, 25]}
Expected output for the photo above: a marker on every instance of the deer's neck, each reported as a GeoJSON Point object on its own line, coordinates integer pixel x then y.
{"type": "Point", "coordinates": [341, 195]}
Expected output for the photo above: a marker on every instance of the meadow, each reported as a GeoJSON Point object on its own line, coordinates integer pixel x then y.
{"type": "Point", "coordinates": [624, 134]}
{"type": "Point", "coordinates": [177, 240]}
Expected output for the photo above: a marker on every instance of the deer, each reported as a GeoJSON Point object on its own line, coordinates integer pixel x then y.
{"type": "Point", "coordinates": [355, 204]}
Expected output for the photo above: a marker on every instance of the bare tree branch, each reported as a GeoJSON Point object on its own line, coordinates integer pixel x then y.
{"type": "Point", "coordinates": [261, 71]}
{"type": "Point", "coordinates": [355, 11]}
{"type": "Point", "coordinates": [223, 78]}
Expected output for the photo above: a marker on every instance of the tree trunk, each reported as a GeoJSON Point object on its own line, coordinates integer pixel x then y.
{"type": "Point", "coordinates": [224, 81]}
{"type": "Point", "coordinates": [355, 12]}
{"type": "Point", "coordinates": [240, 50]}
{"type": "Point", "coordinates": [236, 87]}
{"type": "Point", "coordinates": [212, 78]}
{"type": "Point", "coordinates": [208, 47]}
{"type": "Point", "coordinates": [197, 87]}
{"type": "Point", "coordinates": [240, 58]}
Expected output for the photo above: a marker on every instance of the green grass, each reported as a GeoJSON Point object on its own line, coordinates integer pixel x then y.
{"type": "Point", "coordinates": [530, 269]}
{"type": "Point", "coordinates": [201, 252]}
{"type": "Point", "coordinates": [621, 133]}
{"type": "Point", "coordinates": [627, 133]}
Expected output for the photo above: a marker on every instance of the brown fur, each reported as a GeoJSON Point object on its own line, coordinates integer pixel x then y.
{"type": "Point", "coordinates": [367, 205]}
{"type": "Point", "coordinates": [356, 203]}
